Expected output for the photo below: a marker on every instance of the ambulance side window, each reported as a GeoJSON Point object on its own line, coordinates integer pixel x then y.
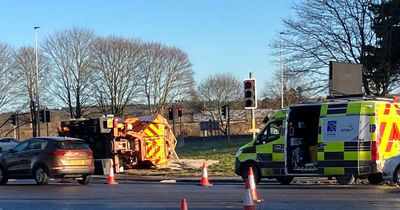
{"type": "Point", "coordinates": [270, 133]}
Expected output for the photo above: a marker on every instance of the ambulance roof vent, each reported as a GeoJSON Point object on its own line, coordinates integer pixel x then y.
{"type": "Point", "coordinates": [345, 79]}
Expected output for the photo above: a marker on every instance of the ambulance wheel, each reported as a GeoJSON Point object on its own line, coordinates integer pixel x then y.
{"type": "Point", "coordinates": [285, 179]}
{"type": "Point", "coordinates": [375, 178]}
{"type": "Point", "coordinates": [396, 175]}
{"type": "Point", "coordinates": [345, 179]}
{"type": "Point", "coordinates": [256, 172]}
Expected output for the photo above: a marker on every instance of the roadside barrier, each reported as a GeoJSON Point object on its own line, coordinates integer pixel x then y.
{"type": "Point", "coordinates": [252, 183]}
{"type": "Point", "coordinates": [204, 176]}
{"type": "Point", "coordinates": [111, 179]}
{"type": "Point", "coordinates": [184, 204]}
{"type": "Point", "coordinates": [248, 203]}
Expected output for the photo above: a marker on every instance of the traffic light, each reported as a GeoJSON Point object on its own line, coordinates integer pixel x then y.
{"type": "Point", "coordinates": [180, 109]}
{"type": "Point", "coordinates": [250, 97]}
{"type": "Point", "coordinates": [47, 112]}
{"type": "Point", "coordinates": [170, 113]}
{"type": "Point", "coordinates": [41, 115]}
{"type": "Point", "coordinates": [44, 115]}
{"type": "Point", "coordinates": [223, 110]}
{"type": "Point", "coordinates": [13, 119]}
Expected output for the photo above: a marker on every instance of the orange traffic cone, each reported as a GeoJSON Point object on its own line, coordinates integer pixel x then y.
{"type": "Point", "coordinates": [184, 204]}
{"type": "Point", "coordinates": [248, 203]}
{"type": "Point", "coordinates": [252, 183]}
{"type": "Point", "coordinates": [111, 179]}
{"type": "Point", "coordinates": [204, 176]}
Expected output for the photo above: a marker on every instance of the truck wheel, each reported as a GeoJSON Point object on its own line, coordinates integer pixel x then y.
{"type": "Point", "coordinates": [3, 178]}
{"type": "Point", "coordinates": [256, 172]}
{"type": "Point", "coordinates": [396, 175]}
{"type": "Point", "coordinates": [345, 179]}
{"type": "Point", "coordinates": [285, 180]}
{"type": "Point", "coordinates": [375, 178]}
{"type": "Point", "coordinates": [41, 176]}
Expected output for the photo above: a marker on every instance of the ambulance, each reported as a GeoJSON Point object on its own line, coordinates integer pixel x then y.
{"type": "Point", "coordinates": [345, 138]}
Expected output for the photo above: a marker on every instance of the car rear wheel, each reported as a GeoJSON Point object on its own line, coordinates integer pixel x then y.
{"type": "Point", "coordinates": [3, 178]}
{"type": "Point", "coordinates": [396, 175]}
{"type": "Point", "coordinates": [85, 180]}
{"type": "Point", "coordinates": [41, 176]}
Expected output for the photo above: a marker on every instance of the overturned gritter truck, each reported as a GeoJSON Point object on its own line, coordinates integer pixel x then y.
{"type": "Point", "coordinates": [137, 142]}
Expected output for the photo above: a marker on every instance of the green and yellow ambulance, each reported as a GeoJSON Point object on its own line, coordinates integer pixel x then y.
{"type": "Point", "coordinates": [345, 139]}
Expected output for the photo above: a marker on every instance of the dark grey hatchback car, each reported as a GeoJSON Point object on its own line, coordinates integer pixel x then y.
{"type": "Point", "coordinates": [42, 158]}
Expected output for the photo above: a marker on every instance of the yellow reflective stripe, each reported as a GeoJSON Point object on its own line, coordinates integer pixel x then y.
{"type": "Point", "coordinates": [154, 128]}
{"type": "Point", "coordinates": [319, 138]}
{"type": "Point", "coordinates": [265, 148]}
{"type": "Point", "coordinates": [324, 109]}
{"type": "Point", "coordinates": [334, 147]}
{"type": "Point", "coordinates": [353, 108]}
{"type": "Point", "coordinates": [278, 156]}
{"type": "Point", "coordinates": [364, 155]}
{"type": "Point", "coordinates": [350, 155]}
{"type": "Point", "coordinates": [334, 170]}
{"type": "Point", "coordinates": [247, 156]}
{"type": "Point", "coordinates": [321, 156]}
{"type": "Point", "coordinates": [265, 171]}
{"type": "Point", "coordinates": [367, 108]}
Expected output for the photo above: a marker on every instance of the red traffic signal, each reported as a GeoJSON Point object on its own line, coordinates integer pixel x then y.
{"type": "Point", "coordinates": [180, 109]}
{"type": "Point", "coordinates": [250, 97]}
{"type": "Point", "coordinates": [171, 113]}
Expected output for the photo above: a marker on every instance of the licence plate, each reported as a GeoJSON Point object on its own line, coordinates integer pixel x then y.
{"type": "Point", "coordinates": [76, 162]}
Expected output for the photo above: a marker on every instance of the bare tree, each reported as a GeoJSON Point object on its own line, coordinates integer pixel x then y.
{"type": "Point", "coordinates": [117, 82]}
{"type": "Point", "coordinates": [326, 30]}
{"type": "Point", "coordinates": [25, 67]}
{"type": "Point", "coordinates": [7, 75]}
{"type": "Point", "coordinates": [69, 51]}
{"type": "Point", "coordinates": [166, 76]}
{"type": "Point", "coordinates": [294, 88]}
{"type": "Point", "coordinates": [218, 90]}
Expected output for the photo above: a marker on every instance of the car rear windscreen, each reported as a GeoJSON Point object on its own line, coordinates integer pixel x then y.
{"type": "Point", "coordinates": [71, 144]}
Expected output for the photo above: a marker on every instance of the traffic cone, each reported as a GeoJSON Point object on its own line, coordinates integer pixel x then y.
{"type": "Point", "coordinates": [252, 183]}
{"type": "Point", "coordinates": [111, 179]}
{"type": "Point", "coordinates": [184, 204]}
{"type": "Point", "coordinates": [248, 203]}
{"type": "Point", "coordinates": [204, 176]}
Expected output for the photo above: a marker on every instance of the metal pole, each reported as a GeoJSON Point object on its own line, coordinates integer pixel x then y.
{"type": "Point", "coordinates": [229, 122]}
{"type": "Point", "coordinates": [18, 136]}
{"type": "Point", "coordinates": [253, 123]}
{"type": "Point", "coordinates": [37, 81]}
{"type": "Point", "coordinates": [173, 120]}
{"type": "Point", "coordinates": [180, 125]}
{"type": "Point", "coordinates": [281, 66]}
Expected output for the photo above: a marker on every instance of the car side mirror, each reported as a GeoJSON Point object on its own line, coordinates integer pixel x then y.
{"type": "Point", "coordinates": [13, 151]}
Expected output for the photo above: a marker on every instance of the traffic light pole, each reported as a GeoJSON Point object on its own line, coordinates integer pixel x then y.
{"type": "Point", "coordinates": [228, 121]}
{"type": "Point", "coordinates": [253, 123]}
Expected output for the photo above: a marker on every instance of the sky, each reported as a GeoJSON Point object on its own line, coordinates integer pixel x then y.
{"type": "Point", "coordinates": [219, 36]}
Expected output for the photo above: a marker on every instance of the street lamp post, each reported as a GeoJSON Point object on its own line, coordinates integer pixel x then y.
{"type": "Point", "coordinates": [281, 65]}
{"type": "Point", "coordinates": [37, 82]}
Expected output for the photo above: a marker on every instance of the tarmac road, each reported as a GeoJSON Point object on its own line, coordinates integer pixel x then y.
{"type": "Point", "coordinates": [224, 194]}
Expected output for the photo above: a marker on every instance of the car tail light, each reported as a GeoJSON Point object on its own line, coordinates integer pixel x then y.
{"type": "Point", "coordinates": [89, 153]}
{"type": "Point", "coordinates": [58, 153]}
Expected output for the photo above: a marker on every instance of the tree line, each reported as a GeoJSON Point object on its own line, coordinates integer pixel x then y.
{"type": "Point", "coordinates": [79, 70]}
{"type": "Point", "coordinates": [364, 32]}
